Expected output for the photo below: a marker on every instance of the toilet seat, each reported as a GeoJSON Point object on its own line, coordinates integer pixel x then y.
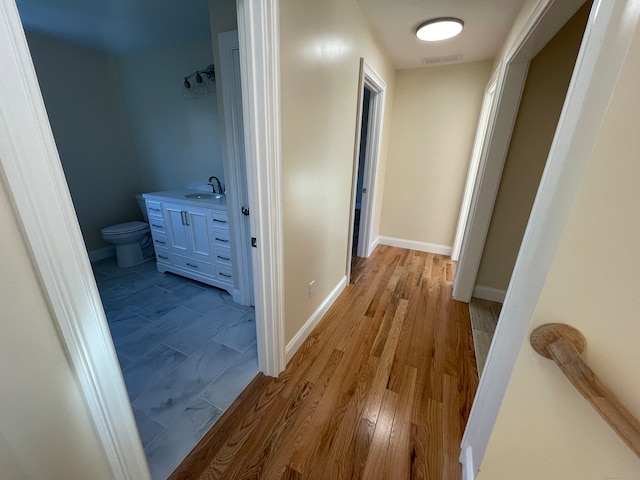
{"type": "Point", "coordinates": [125, 228]}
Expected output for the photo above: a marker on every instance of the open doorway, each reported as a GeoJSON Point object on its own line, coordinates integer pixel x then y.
{"type": "Point", "coordinates": [365, 166]}
{"type": "Point", "coordinates": [118, 133]}
{"type": "Point", "coordinates": [542, 100]}
{"type": "Point", "coordinates": [511, 84]}
{"type": "Point", "coordinates": [362, 157]}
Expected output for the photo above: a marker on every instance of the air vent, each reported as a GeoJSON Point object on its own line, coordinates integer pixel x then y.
{"type": "Point", "coordinates": [440, 60]}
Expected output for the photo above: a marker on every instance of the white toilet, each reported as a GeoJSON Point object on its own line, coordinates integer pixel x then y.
{"type": "Point", "coordinates": [131, 239]}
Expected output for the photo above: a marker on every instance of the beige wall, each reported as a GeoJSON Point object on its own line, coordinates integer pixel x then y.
{"type": "Point", "coordinates": [320, 59]}
{"type": "Point", "coordinates": [545, 429]}
{"type": "Point", "coordinates": [45, 430]}
{"type": "Point", "coordinates": [542, 99]}
{"type": "Point", "coordinates": [434, 121]}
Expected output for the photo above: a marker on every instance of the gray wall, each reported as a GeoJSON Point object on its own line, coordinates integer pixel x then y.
{"type": "Point", "coordinates": [122, 126]}
{"type": "Point", "coordinates": [92, 132]}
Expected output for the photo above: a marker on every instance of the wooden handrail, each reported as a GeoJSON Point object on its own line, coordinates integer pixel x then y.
{"type": "Point", "coordinates": [564, 344]}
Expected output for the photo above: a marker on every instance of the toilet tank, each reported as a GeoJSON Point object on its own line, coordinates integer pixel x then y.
{"type": "Point", "coordinates": [143, 207]}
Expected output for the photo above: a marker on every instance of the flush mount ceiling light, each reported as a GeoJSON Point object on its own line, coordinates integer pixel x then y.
{"type": "Point", "coordinates": [439, 29]}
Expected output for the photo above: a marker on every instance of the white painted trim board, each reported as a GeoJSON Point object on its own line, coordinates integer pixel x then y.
{"type": "Point", "coordinates": [414, 245]}
{"type": "Point", "coordinates": [102, 254]}
{"type": "Point", "coordinates": [489, 293]}
{"type": "Point", "coordinates": [259, 40]}
{"type": "Point", "coordinates": [299, 338]}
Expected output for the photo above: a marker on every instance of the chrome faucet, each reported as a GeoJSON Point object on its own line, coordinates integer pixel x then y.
{"type": "Point", "coordinates": [213, 188]}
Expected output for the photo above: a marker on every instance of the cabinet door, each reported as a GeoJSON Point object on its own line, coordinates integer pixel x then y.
{"type": "Point", "coordinates": [199, 233]}
{"type": "Point", "coordinates": [177, 230]}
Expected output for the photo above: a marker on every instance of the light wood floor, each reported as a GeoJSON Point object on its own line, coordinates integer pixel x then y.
{"type": "Point", "coordinates": [381, 389]}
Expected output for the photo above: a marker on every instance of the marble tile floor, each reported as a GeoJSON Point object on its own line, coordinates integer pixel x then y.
{"type": "Point", "coordinates": [484, 318]}
{"type": "Point", "coordinates": [186, 351]}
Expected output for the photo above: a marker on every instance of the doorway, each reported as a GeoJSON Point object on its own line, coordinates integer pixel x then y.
{"type": "Point", "coordinates": [511, 81]}
{"type": "Point", "coordinates": [51, 231]}
{"type": "Point", "coordinates": [362, 157]}
{"type": "Point", "coordinates": [371, 98]}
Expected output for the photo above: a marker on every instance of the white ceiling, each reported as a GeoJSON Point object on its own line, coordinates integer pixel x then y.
{"type": "Point", "coordinates": [487, 23]}
{"type": "Point", "coordinates": [124, 25]}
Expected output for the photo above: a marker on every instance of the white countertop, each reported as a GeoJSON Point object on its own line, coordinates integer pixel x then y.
{"type": "Point", "coordinates": [180, 196]}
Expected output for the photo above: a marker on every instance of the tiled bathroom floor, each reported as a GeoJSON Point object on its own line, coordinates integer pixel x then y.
{"type": "Point", "coordinates": [484, 318]}
{"type": "Point", "coordinates": [186, 351]}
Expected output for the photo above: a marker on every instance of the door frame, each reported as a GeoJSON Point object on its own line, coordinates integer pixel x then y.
{"type": "Point", "coordinates": [378, 87]}
{"type": "Point", "coordinates": [479, 144]}
{"type": "Point", "coordinates": [42, 205]}
{"type": "Point", "coordinates": [546, 19]}
{"type": "Point", "coordinates": [235, 168]}
{"type": "Point", "coordinates": [606, 40]}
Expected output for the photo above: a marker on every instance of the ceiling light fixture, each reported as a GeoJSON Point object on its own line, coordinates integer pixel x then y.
{"type": "Point", "coordinates": [204, 81]}
{"type": "Point", "coordinates": [439, 29]}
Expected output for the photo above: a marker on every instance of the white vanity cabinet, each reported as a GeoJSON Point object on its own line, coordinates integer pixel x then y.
{"type": "Point", "coordinates": [191, 237]}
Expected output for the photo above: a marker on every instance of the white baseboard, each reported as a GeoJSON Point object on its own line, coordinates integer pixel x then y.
{"type": "Point", "coordinates": [236, 295]}
{"type": "Point", "coordinates": [373, 246]}
{"type": "Point", "coordinates": [102, 253]}
{"type": "Point", "coordinates": [414, 245]}
{"type": "Point", "coordinates": [299, 338]}
{"type": "Point", "coordinates": [489, 293]}
{"type": "Point", "coordinates": [467, 464]}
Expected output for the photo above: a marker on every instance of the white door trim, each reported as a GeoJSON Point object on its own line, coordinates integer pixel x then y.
{"type": "Point", "coordinates": [609, 32]}
{"type": "Point", "coordinates": [33, 174]}
{"type": "Point", "coordinates": [479, 143]}
{"type": "Point", "coordinates": [235, 166]}
{"type": "Point", "coordinates": [545, 20]}
{"type": "Point", "coordinates": [258, 35]}
{"type": "Point", "coordinates": [378, 87]}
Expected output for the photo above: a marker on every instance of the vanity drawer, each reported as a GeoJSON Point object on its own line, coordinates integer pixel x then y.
{"type": "Point", "coordinates": [219, 219]}
{"type": "Point", "coordinates": [222, 256]}
{"type": "Point", "coordinates": [162, 255]}
{"type": "Point", "coordinates": [154, 209]}
{"type": "Point", "coordinates": [224, 273]}
{"type": "Point", "coordinates": [157, 224]}
{"type": "Point", "coordinates": [159, 241]}
{"type": "Point", "coordinates": [220, 238]}
{"type": "Point", "coordinates": [193, 265]}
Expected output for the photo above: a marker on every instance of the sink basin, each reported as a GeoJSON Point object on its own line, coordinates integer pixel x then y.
{"type": "Point", "coordinates": [205, 196]}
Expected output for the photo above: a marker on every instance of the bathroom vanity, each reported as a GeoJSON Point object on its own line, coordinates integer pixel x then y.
{"type": "Point", "coordinates": [190, 231]}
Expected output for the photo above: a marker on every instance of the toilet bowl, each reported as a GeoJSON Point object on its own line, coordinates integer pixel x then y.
{"type": "Point", "coordinates": [132, 241]}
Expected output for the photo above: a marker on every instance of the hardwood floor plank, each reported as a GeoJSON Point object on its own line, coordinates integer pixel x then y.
{"type": "Point", "coordinates": [435, 439]}
{"type": "Point", "coordinates": [398, 459]}
{"type": "Point", "coordinates": [381, 436]}
{"type": "Point", "coordinates": [381, 389]}
{"type": "Point", "coordinates": [350, 445]}
{"type": "Point", "coordinates": [381, 379]}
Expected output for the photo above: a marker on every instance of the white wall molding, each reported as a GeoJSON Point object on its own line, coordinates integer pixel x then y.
{"type": "Point", "coordinates": [43, 207]}
{"type": "Point", "coordinates": [415, 245]}
{"type": "Point", "coordinates": [299, 338]}
{"type": "Point", "coordinates": [374, 244]}
{"type": "Point", "coordinates": [489, 293]}
{"type": "Point", "coordinates": [259, 39]}
{"type": "Point", "coordinates": [605, 43]}
{"type": "Point", "coordinates": [102, 254]}
{"type": "Point", "coordinates": [467, 464]}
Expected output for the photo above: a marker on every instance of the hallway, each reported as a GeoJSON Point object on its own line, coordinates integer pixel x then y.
{"type": "Point", "coordinates": [381, 389]}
